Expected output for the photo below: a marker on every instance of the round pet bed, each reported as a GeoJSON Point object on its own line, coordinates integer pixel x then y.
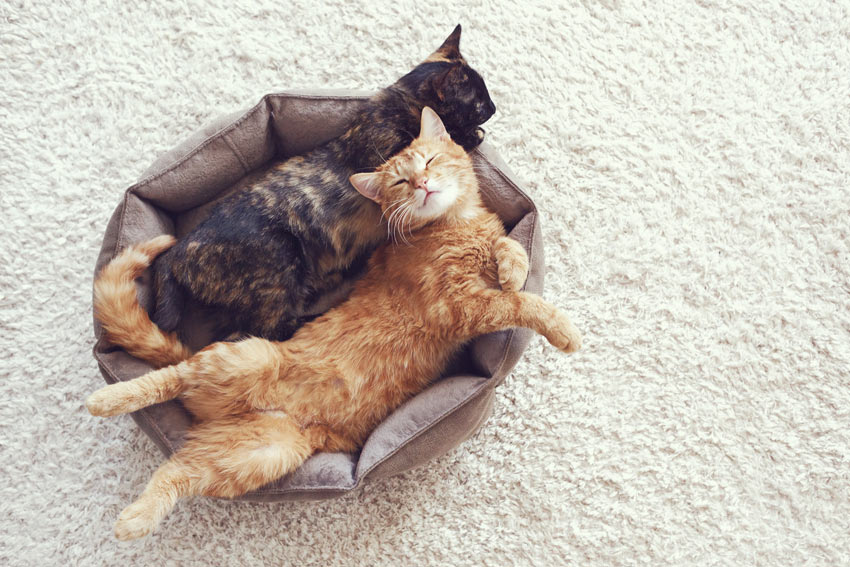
{"type": "Point", "coordinates": [177, 191]}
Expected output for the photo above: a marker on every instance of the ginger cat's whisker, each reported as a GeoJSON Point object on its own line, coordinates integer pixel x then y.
{"type": "Point", "coordinates": [393, 221]}
{"type": "Point", "coordinates": [403, 222]}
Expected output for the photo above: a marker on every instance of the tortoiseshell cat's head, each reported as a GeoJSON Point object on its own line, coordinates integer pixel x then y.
{"type": "Point", "coordinates": [432, 178]}
{"type": "Point", "coordinates": [446, 83]}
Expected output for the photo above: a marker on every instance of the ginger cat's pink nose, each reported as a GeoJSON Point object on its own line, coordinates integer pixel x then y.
{"type": "Point", "coordinates": [422, 183]}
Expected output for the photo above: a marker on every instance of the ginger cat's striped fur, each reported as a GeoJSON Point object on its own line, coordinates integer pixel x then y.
{"type": "Point", "coordinates": [263, 407]}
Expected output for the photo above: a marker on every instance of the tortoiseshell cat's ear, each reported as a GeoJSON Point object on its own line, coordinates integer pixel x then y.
{"type": "Point", "coordinates": [368, 184]}
{"type": "Point", "coordinates": [431, 125]}
{"type": "Point", "coordinates": [450, 50]}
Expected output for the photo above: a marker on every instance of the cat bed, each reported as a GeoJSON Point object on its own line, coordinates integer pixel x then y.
{"type": "Point", "coordinates": [177, 191]}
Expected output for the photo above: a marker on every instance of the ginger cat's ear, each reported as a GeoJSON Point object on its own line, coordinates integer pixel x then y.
{"type": "Point", "coordinates": [368, 185]}
{"type": "Point", "coordinates": [432, 127]}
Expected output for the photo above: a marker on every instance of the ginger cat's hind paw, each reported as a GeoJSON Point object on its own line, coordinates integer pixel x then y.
{"type": "Point", "coordinates": [107, 402]}
{"type": "Point", "coordinates": [137, 520]}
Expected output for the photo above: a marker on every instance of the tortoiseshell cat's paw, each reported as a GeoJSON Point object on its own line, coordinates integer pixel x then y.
{"type": "Point", "coordinates": [470, 139]}
{"type": "Point", "coordinates": [512, 263]}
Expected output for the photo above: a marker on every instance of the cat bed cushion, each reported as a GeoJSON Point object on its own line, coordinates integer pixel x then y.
{"type": "Point", "coordinates": [176, 193]}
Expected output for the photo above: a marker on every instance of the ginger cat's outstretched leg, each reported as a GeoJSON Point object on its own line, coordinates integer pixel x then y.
{"type": "Point", "coordinates": [222, 379]}
{"type": "Point", "coordinates": [154, 387]}
{"type": "Point", "coordinates": [497, 310]}
{"type": "Point", "coordinates": [223, 459]}
{"type": "Point", "coordinates": [492, 310]}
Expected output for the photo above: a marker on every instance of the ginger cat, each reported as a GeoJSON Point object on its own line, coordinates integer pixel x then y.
{"type": "Point", "coordinates": [261, 407]}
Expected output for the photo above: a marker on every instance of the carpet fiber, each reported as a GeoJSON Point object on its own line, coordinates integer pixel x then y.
{"type": "Point", "coordinates": [691, 163]}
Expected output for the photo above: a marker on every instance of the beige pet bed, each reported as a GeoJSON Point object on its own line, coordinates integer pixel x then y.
{"type": "Point", "coordinates": [176, 192]}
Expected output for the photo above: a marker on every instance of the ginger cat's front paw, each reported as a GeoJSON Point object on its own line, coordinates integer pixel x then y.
{"type": "Point", "coordinates": [566, 338]}
{"type": "Point", "coordinates": [513, 264]}
{"type": "Point", "coordinates": [137, 520]}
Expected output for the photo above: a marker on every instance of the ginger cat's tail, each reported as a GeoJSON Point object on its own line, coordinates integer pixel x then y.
{"type": "Point", "coordinates": [117, 307]}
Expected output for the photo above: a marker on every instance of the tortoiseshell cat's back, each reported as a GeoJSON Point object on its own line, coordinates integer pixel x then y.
{"type": "Point", "coordinates": [265, 254]}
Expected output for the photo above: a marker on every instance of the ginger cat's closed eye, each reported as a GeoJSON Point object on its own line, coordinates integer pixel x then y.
{"type": "Point", "coordinates": [263, 407]}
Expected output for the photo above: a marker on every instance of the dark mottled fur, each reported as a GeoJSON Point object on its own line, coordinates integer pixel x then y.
{"type": "Point", "coordinates": [265, 254]}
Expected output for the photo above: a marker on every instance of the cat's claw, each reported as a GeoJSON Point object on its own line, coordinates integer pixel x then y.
{"type": "Point", "coordinates": [137, 520]}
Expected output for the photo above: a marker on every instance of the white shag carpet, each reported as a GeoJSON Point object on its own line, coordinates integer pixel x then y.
{"type": "Point", "coordinates": [691, 163]}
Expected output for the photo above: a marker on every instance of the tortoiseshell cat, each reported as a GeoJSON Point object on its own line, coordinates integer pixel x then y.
{"type": "Point", "coordinates": [265, 254]}
{"type": "Point", "coordinates": [263, 407]}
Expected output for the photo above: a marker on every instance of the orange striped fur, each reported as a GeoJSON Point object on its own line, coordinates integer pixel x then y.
{"type": "Point", "coordinates": [117, 308]}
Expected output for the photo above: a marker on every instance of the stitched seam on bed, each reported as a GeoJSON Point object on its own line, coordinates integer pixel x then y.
{"type": "Point", "coordinates": [236, 152]}
{"type": "Point", "coordinates": [120, 240]}
{"type": "Point", "coordinates": [346, 488]}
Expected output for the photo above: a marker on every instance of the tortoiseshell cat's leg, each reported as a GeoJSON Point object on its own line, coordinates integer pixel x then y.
{"type": "Point", "coordinates": [493, 310]}
{"type": "Point", "coordinates": [222, 379]}
{"type": "Point", "coordinates": [512, 261]}
{"type": "Point", "coordinates": [223, 459]}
